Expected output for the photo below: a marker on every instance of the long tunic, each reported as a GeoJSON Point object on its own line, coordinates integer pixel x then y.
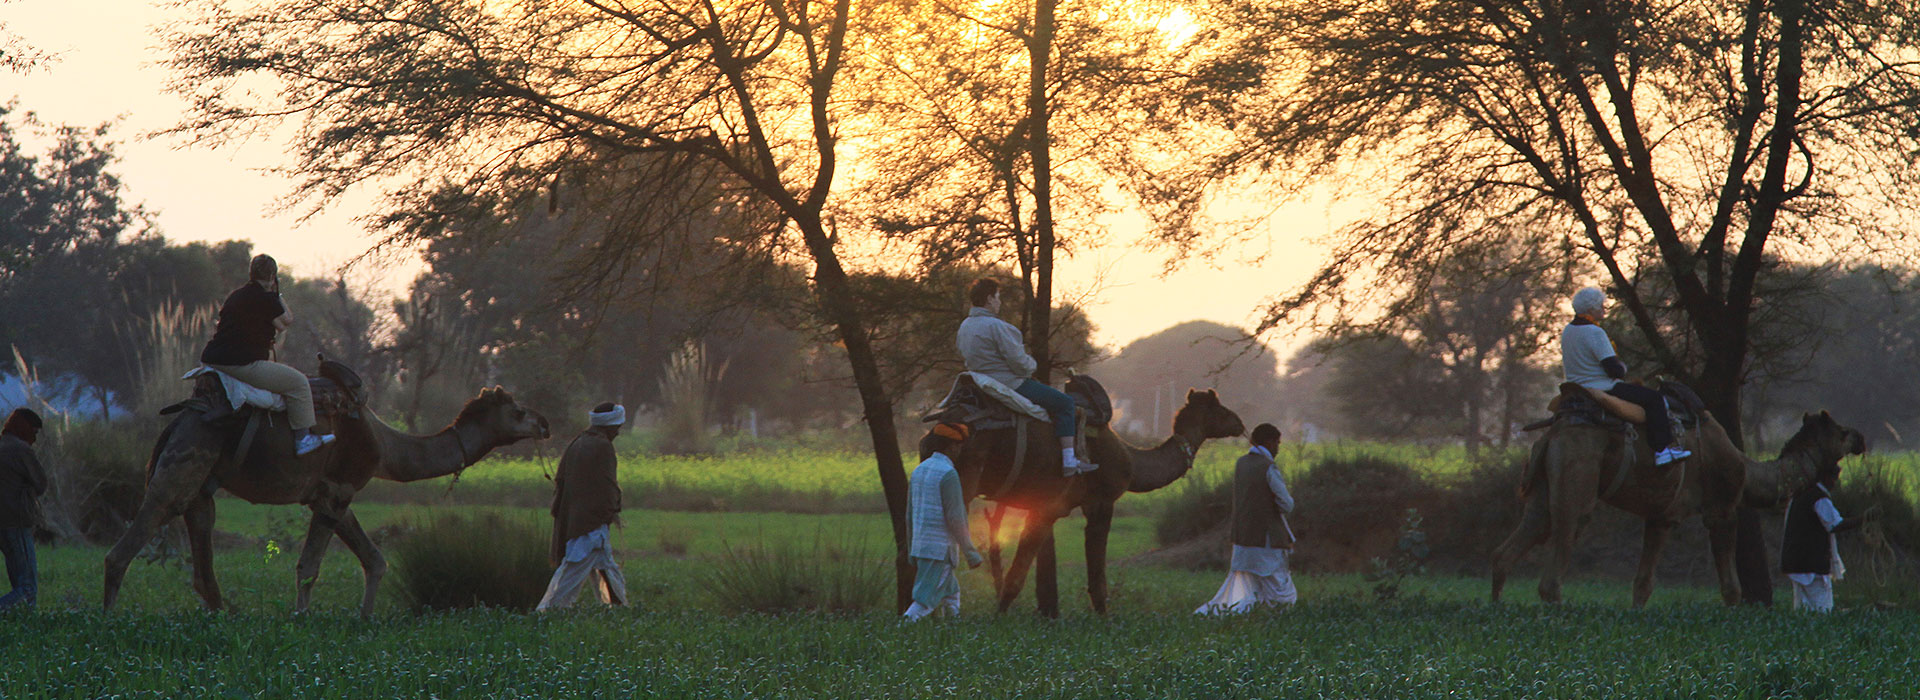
{"type": "Point", "coordinates": [937, 513]}
{"type": "Point", "coordinates": [22, 480]}
{"type": "Point", "coordinates": [586, 491]}
{"type": "Point", "coordinates": [1268, 522]}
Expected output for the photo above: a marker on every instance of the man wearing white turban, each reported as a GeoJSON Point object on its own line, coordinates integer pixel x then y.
{"type": "Point", "coordinates": [586, 500]}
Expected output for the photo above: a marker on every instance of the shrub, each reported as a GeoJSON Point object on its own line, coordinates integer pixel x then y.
{"type": "Point", "coordinates": [96, 473]}
{"type": "Point", "coordinates": [461, 561]}
{"type": "Point", "coordinates": [840, 577]}
{"type": "Point", "coordinates": [1198, 505]}
{"type": "Point", "coordinates": [1348, 510]}
{"type": "Point", "coordinates": [1879, 556]}
{"type": "Point", "coordinates": [1409, 559]}
{"type": "Point", "coordinates": [686, 397]}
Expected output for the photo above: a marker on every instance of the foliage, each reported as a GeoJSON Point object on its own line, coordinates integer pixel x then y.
{"type": "Point", "coordinates": [833, 576]}
{"type": "Point", "coordinates": [455, 561]}
{"type": "Point", "coordinates": [1146, 378]}
{"type": "Point", "coordinates": [1408, 559]}
{"type": "Point", "coordinates": [1591, 120]}
{"type": "Point", "coordinates": [686, 397]}
{"type": "Point", "coordinates": [96, 473]}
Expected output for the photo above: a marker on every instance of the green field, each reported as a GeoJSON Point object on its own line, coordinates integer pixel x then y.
{"type": "Point", "coordinates": [1440, 640]}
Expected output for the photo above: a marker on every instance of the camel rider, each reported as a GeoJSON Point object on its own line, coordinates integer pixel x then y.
{"type": "Point", "coordinates": [1589, 360]}
{"type": "Point", "coordinates": [242, 346]}
{"type": "Point", "coordinates": [995, 348]}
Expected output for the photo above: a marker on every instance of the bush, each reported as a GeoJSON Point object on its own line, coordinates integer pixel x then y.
{"type": "Point", "coordinates": [96, 474]}
{"type": "Point", "coordinates": [1196, 507]}
{"type": "Point", "coordinates": [1881, 567]}
{"type": "Point", "coordinates": [837, 577]}
{"type": "Point", "coordinates": [462, 561]}
{"type": "Point", "coordinates": [1349, 510]}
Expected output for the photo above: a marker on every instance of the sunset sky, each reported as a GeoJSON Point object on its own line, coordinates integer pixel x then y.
{"type": "Point", "coordinates": [107, 70]}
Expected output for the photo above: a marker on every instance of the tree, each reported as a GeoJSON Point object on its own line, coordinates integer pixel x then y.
{"type": "Point", "coordinates": [1683, 140]}
{"type": "Point", "coordinates": [1146, 377]}
{"type": "Point", "coordinates": [508, 97]}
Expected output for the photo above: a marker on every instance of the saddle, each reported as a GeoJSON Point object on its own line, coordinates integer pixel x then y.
{"type": "Point", "coordinates": [338, 392]}
{"type": "Point", "coordinates": [982, 410]}
{"type": "Point", "coordinates": [1578, 405]}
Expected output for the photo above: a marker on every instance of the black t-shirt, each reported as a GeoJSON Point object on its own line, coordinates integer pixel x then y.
{"type": "Point", "coordinates": [244, 333]}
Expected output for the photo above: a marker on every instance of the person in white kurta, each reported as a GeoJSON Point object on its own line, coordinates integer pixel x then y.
{"type": "Point", "coordinates": [1262, 539]}
{"type": "Point", "coordinates": [1809, 553]}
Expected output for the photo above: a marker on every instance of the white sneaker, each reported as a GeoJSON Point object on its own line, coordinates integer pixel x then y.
{"type": "Point", "coordinates": [1078, 467]}
{"type": "Point", "coordinates": [1672, 454]}
{"type": "Point", "coordinates": [309, 443]}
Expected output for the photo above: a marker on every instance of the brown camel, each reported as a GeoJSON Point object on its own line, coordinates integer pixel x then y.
{"type": "Point", "coordinates": [1575, 466]}
{"type": "Point", "coordinates": [986, 461]}
{"type": "Point", "coordinates": [188, 465]}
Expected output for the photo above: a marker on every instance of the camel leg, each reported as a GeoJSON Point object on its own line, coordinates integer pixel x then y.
{"type": "Point", "coordinates": [312, 551]}
{"type": "Point", "coordinates": [1652, 541]}
{"type": "Point", "coordinates": [994, 513]}
{"type": "Point", "coordinates": [199, 518]}
{"type": "Point", "coordinates": [1534, 529]}
{"type": "Point", "coordinates": [173, 484]}
{"type": "Point", "coordinates": [1031, 529]}
{"type": "Point", "coordinates": [373, 565]}
{"type": "Point", "coordinates": [1572, 494]}
{"type": "Point", "coordinates": [1099, 524]}
{"type": "Point", "coordinates": [1721, 535]}
{"type": "Point", "coordinates": [1046, 581]}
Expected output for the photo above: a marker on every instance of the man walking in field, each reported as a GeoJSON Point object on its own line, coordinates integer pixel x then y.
{"type": "Point", "coordinates": [586, 500]}
{"type": "Point", "coordinates": [1809, 555]}
{"type": "Point", "coordinates": [1261, 538]}
{"type": "Point", "coordinates": [21, 483]}
{"type": "Point", "coordinates": [937, 515]}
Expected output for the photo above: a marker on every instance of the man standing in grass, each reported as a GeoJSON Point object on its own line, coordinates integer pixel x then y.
{"type": "Point", "coordinates": [586, 500]}
{"type": "Point", "coordinates": [937, 514]}
{"type": "Point", "coordinates": [1808, 553]}
{"type": "Point", "coordinates": [21, 483]}
{"type": "Point", "coordinates": [1261, 537]}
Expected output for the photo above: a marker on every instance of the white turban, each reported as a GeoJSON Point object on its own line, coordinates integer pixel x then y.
{"type": "Point", "coordinates": [1589, 300]}
{"type": "Point", "coordinates": [616, 416]}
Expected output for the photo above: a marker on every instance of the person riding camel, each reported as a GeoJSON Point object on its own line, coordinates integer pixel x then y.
{"type": "Point", "coordinates": [1587, 357]}
{"type": "Point", "coordinates": [242, 348]}
{"type": "Point", "coordinates": [996, 349]}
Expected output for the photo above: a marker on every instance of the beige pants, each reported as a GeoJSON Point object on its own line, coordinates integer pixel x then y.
{"type": "Point", "coordinates": [280, 379]}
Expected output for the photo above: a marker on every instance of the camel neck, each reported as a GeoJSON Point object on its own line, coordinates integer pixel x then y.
{"type": "Point", "coordinates": [406, 457]}
{"type": "Point", "coordinates": [1173, 458]}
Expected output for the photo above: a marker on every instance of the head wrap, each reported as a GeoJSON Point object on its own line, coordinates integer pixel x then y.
{"type": "Point", "coordinates": [1589, 300]}
{"type": "Point", "coordinates": [24, 424]}
{"type": "Point", "coordinates": [616, 416]}
{"type": "Point", "coordinates": [956, 432]}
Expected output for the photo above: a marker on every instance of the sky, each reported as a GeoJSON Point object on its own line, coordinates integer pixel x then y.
{"type": "Point", "coordinates": [107, 69]}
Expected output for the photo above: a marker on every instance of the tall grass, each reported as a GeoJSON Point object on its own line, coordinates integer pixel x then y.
{"type": "Point", "coordinates": [686, 398]}
{"type": "Point", "coordinates": [173, 338]}
{"type": "Point", "coordinates": [455, 561]}
{"type": "Point", "coordinates": [830, 575]}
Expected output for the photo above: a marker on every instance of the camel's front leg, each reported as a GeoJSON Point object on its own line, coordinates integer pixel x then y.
{"type": "Point", "coordinates": [1534, 528]}
{"type": "Point", "coordinates": [1099, 525]}
{"type": "Point", "coordinates": [1033, 529]}
{"type": "Point", "coordinates": [1721, 532]}
{"type": "Point", "coordinates": [1652, 541]}
{"type": "Point", "coordinates": [179, 474]}
{"type": "Point", "coordinates": [314, 549]}
{"type": "Point", "coordinates": [199, 517]}
{"type": "Point", "coordinates": [373, 564]}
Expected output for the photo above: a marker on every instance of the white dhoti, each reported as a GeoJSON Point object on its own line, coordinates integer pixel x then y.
{"type": "Point", "coordinates": [1812, 592]}
{"type": "Point", "coordinates": [589, 560]}
{"type": "Point", "coordinates": [1259, 576]}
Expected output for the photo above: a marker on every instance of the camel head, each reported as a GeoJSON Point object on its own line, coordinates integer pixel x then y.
{"type": "Point", "coordinates": [1825, 438]}
{"type": "Point", "coordinates": [505, 422]}
{"type": "Point", "coordinates": [1204, 414]}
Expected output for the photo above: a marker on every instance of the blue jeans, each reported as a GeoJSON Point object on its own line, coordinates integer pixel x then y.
{"type": "Point", "coordinates": [22, 572]}
{"type": "Point", "coordinates": [1058, 405]}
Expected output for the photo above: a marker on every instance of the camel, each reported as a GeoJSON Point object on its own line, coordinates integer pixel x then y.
{"type": "Point", "coordinates": [1575, 466]}
{"type": "Point", "coordinates": [1039, 489]}
{"type": "Point", "coordinates": [190, 463]}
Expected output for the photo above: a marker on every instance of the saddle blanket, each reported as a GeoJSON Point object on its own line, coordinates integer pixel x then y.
{"type": "Point", "coordinates": [1002, 393]}
{"type": "Point", "coordinates": [240, 393]}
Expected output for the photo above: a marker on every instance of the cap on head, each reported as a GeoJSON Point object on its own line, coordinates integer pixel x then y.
{"type": "Point", "coordinates": [607, 414]}
{"type": "Point", "coordinates": [1589, 300]}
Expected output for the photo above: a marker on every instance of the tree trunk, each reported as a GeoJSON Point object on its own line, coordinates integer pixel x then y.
{"type": "Point", "coordinates": [1040, 145]}
{"type": "Point", "coordinates": [837, 302]}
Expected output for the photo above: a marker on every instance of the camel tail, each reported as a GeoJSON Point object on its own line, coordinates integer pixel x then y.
{"type": "Point", "coordinates": [1534, 476]}
{"type": "Point", "coordinates": [159, 444]}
